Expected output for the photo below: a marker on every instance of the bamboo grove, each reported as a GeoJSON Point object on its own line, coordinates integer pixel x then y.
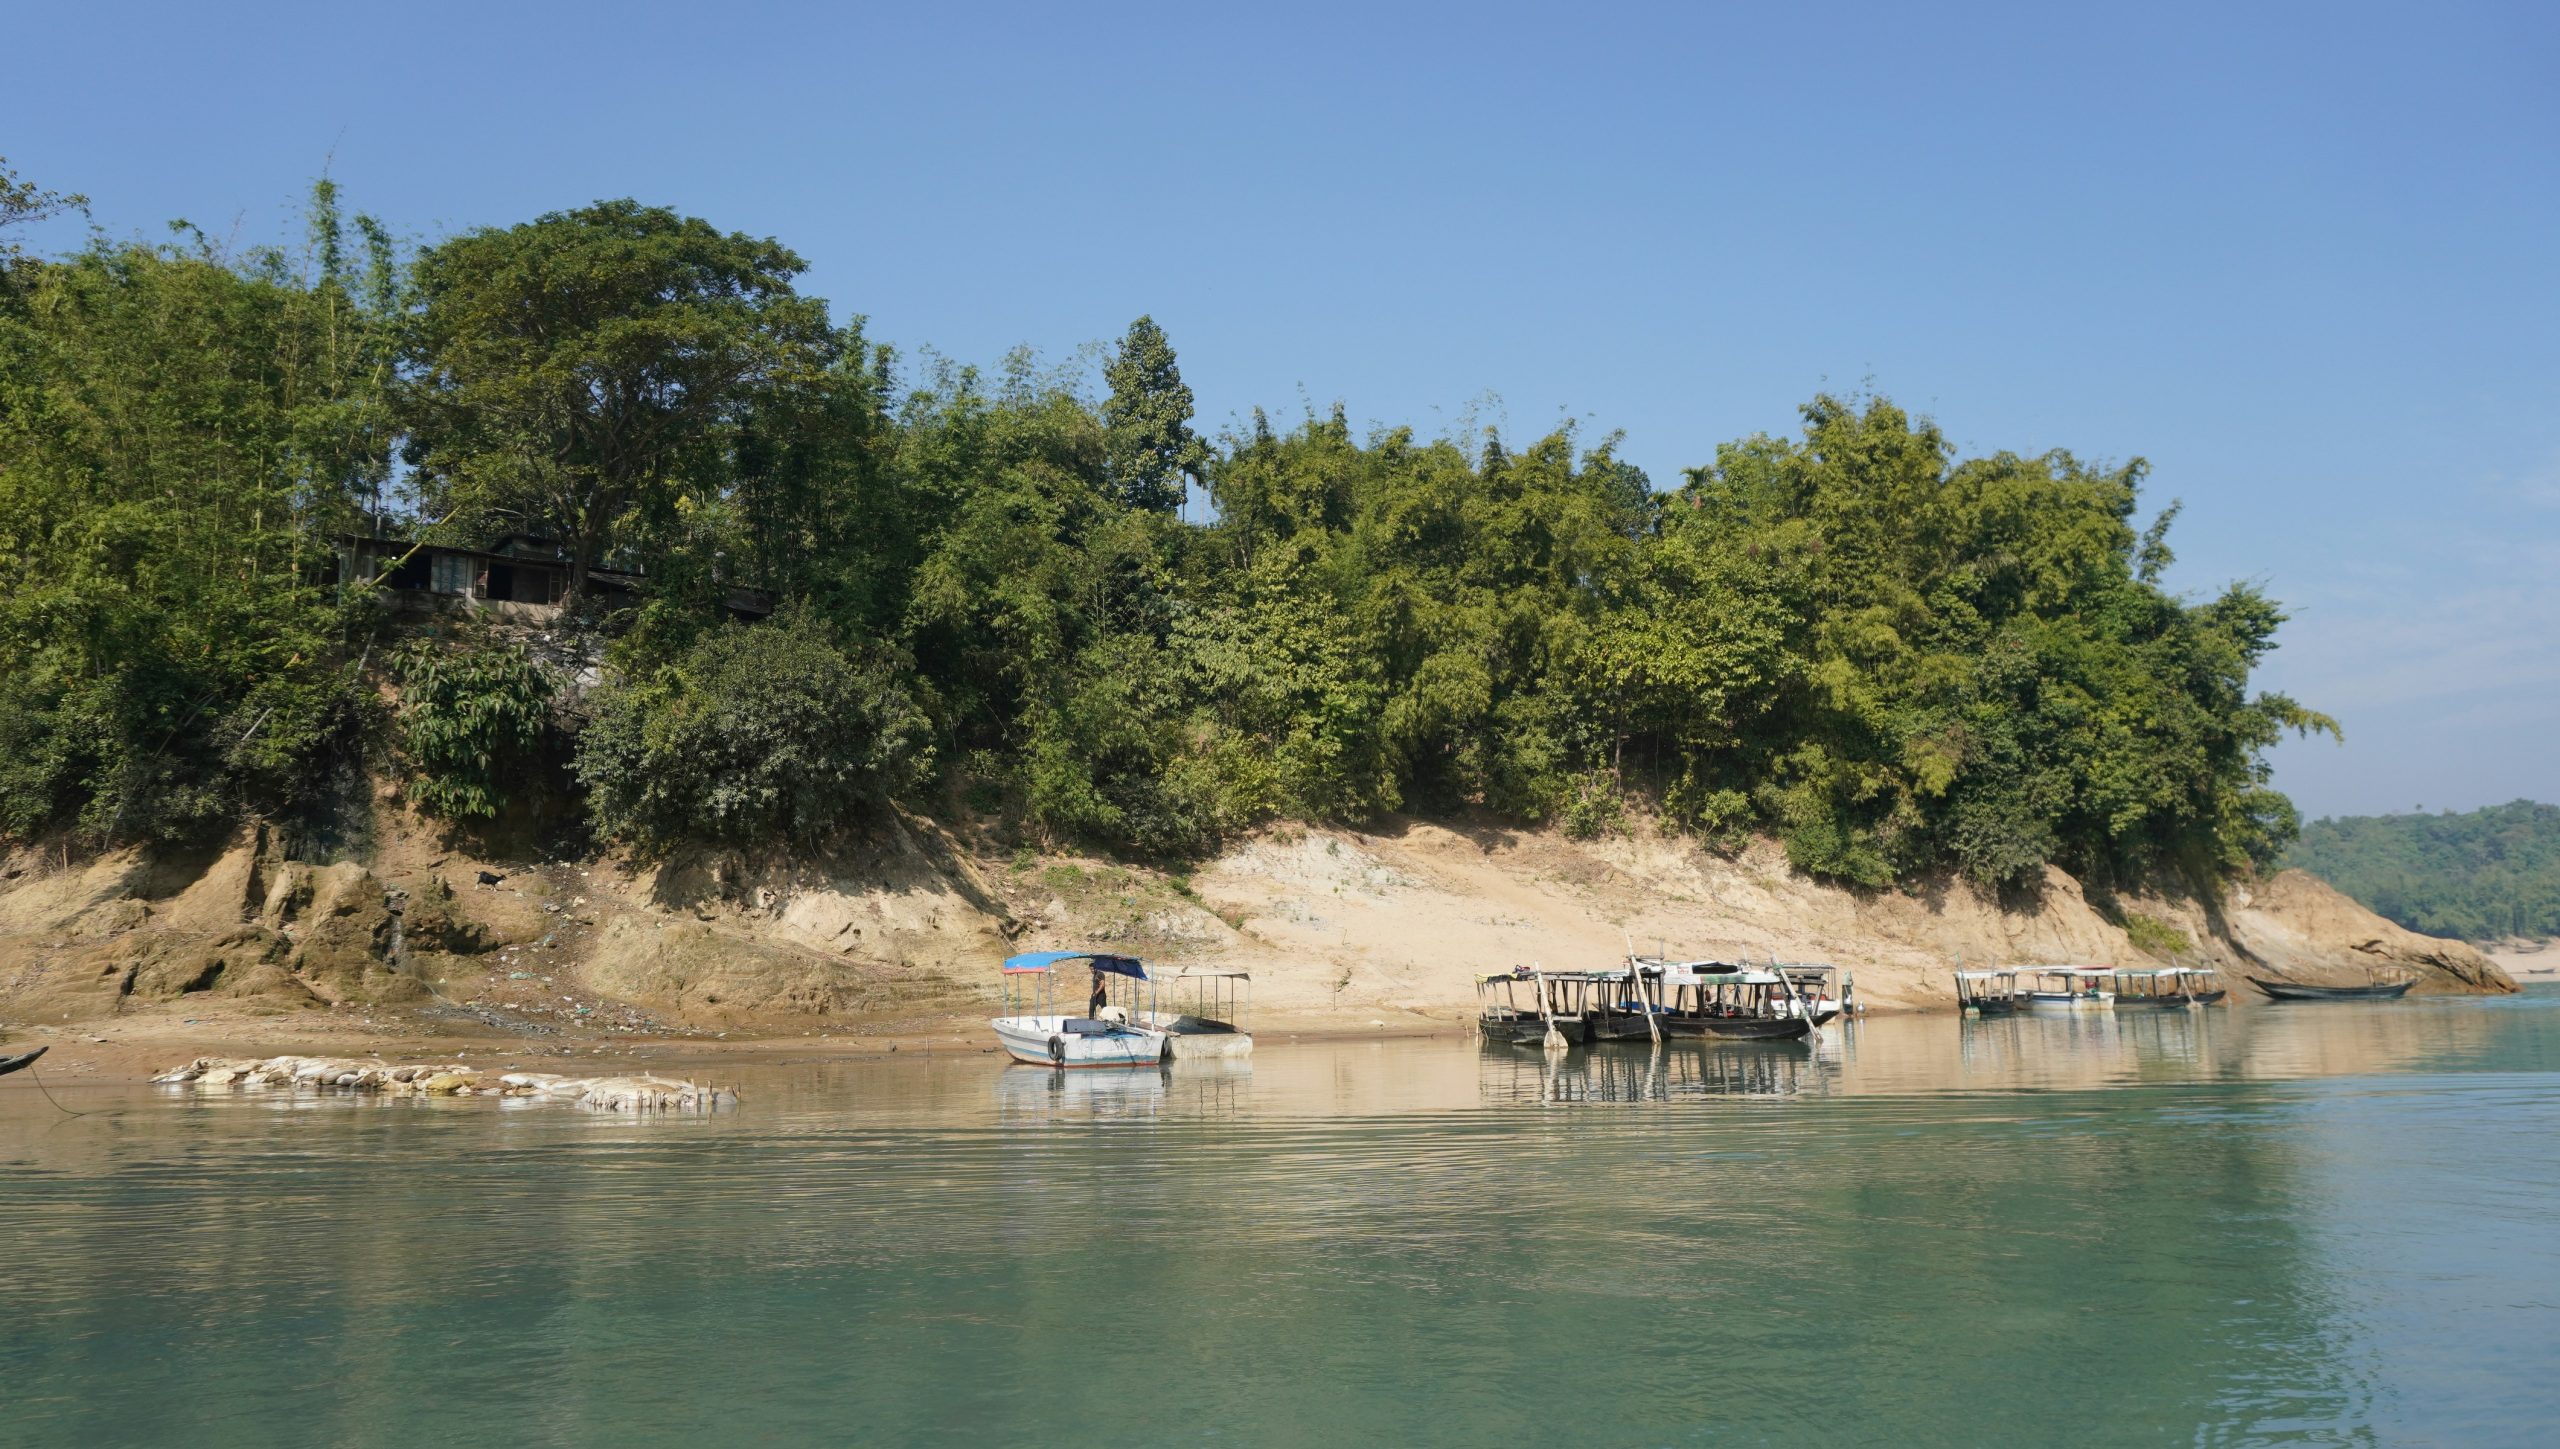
{"type": "Point", "coordinates": [991, 601]}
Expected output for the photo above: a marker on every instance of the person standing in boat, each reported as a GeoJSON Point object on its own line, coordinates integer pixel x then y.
{"type": "Point", "coordinates": [1101, 996]}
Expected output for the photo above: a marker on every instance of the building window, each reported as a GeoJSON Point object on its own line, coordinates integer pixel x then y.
{"type": "Point", "coordinates": [452, 573]}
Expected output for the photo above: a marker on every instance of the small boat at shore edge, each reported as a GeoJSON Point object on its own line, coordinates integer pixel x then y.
{"type": "Point", "coordinates": [2305, 991]}
{"type": "Point", "coordinates": [1033, 1029]}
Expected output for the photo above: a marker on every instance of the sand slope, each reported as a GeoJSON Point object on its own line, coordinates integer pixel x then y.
{"type": "Point", "coordinates": [1340, 928]}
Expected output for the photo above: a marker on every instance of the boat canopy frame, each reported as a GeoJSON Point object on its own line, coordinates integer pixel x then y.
{"type": "Point", "coordinates": [1030, 981]}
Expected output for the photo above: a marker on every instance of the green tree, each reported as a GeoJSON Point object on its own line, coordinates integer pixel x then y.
{"type": "Point", "coordinates": [22, 201]}
{"type": "Point", "coordinates": [587, 371]}
{"type": "Point", "coordinates": [1148, 444]}
{"type": "Point", "coordinates": [758, 735]}
{"type": "Point", "coordinates": [180, 435]}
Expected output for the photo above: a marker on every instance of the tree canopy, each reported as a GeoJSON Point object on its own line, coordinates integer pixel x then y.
{"type": "Point", "coordinates": [1895, 659]}
{"type": "Point", "coordinates": [584, 374]}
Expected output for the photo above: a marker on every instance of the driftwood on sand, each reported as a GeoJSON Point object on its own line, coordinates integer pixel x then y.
{"type": "Point", "coordinates": [638, 1093]}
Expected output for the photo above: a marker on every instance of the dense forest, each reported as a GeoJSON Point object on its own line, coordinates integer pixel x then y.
{"type": "Point", "coordinates": [988, 600]}
{"type": "Point", "coordinates": [2480, 876]}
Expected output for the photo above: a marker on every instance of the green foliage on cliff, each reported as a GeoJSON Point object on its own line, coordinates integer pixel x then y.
{"type": "Point", "coordinates": [474, 716]}
{"type": "Point", "coordinates": [1897, 660]}
{"type": "Point", "coordinates": [2478, 876]}
{"type": "Point", "coordinates": [753, 735]}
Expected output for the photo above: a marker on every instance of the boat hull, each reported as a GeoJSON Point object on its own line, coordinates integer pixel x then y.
{"type": "Point", "coordinates": [1048, 1041]}
{"type": "Point", "coordinates": [1193, 1046]}
{"type": "Point", "coordinates": [1621, 1026]}
{"type": "Point", "coordinates": [2298, 991]}
{"type": "Point", "coordinates": [11, 1064]}
{"type": "Point", "coordinates": [1738, 1028]}
{"type": "Point", "coordinates": [1531, 1031]}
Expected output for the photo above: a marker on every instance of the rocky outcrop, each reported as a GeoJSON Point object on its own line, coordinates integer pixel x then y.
{"type": "Point", "coordinates": [2298, 927]}
{"type": "Point", "coordinates": [143, 926]}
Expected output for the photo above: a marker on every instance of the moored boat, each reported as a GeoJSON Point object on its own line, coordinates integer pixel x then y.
{"type": "Point", "coordinates": [1724, 1000]}
{"type": "Point", "coordinates": [1822, 991]}
{"type": "Point", "coordinates": [2068, 988]}
{"type": "Point", "coordinates": [1034, 1030]}
{"type": "Point", "coordinates": [2305, 991]}
{"type": "Point", "coordinates": [23, 1059]}
{"type": "Point", "coordinates": [1987, 993]}
{"type": "Point", "coordinates": [2173, 988]}
{"type": "Point", "coordinates": [1503, 1016]}
{"type": "Point", "coordinates": [1618, 1007]}
{"type": "Point", "coordinates": [1206, 1014]}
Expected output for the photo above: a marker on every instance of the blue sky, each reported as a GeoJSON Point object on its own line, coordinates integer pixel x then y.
{"type": "Point", "coordinates": [2300, 257]}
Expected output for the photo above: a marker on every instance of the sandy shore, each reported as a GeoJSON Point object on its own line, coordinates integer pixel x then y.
{"type": "Point", "coordinates": [2528, 962]}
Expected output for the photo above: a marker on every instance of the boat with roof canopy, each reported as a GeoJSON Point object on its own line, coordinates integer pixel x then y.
{"type": "Point", "coordinates": [2167, 987]}
{"type": "Point", "coordinates": [1988, 993]}
{"type": "Point", "coordinates": [1545, 1018]}
{"type": "Point", "coordinates": [1724, 999]}
{"type": "Point", "coordinates": [2069, 988]}
{"type": "Point", "coordinates": [1205, 1013]}
{"type": "Point", "coordinates": [1034, 1029]}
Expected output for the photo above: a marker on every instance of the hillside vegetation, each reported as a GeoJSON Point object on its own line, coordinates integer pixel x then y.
{"type": "Point", "coordinates": [993, 605]}
{"type": "Point", "coordinates": [2479, 876]}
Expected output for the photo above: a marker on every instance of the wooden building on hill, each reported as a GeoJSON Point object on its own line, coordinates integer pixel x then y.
{"type": "Point", "coordinates": [521, 578]}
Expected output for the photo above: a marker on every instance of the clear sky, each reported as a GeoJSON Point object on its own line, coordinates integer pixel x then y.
{"type": "Point", "coordinates": [2299, 257]}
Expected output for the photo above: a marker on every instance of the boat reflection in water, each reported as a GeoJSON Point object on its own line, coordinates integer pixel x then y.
{"type": "Point", "coordinates": [1678, 1068]}
{"type": "Point", "coordinates": [1200, 1089]}
{"type": "Point", "coordinates": [1029, 1094]}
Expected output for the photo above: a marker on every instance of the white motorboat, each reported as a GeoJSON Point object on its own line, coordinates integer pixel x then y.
{"type": "Point", "coordinates": [1034, 1029]}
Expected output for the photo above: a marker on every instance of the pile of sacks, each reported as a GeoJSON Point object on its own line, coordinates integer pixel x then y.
{"type": "Point", "coordinates": [602, 1094]}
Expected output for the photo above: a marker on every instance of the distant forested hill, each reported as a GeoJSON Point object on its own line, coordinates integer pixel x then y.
{"type": "Point", "coordinates": [2490, 873]}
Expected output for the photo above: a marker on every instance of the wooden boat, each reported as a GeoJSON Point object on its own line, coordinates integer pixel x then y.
{"type": "Point", "coordinates": [1988, 993]}
{"type": "Point", "coordinates": [1503, 1016]}
{"type": "Point", "coordinates": [1034, 1030]}
{"type": "Point", "coordinates": [1616, 1006]}
{"type": "Point", "coordinates": [2167, 988]}
{"type": "Point", "coordinates": [1723, 1000]}
{"type": "Point", "coordinates": [23, 1059]}
{"type": "Point", "coordinates": [2304, 991]}
{"type": "Point", "coordinates": [1740, 1028]}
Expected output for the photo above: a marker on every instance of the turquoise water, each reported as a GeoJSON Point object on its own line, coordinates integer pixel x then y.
{"type": "Point", "coordinates": [2284, 1225]}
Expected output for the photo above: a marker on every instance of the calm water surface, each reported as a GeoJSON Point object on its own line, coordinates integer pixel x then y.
{"type": "Point", "coordinates": [2318, 1224]}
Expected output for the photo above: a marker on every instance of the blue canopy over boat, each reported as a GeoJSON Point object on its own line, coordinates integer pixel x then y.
{"type": "Point", "coordinates": [1043, 960]}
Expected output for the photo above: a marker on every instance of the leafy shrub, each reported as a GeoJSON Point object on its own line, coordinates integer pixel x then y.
{"type": "Point", "coordinates": [473, 721]}
{"type": "Point", "coordinates": [756, 735]}
{"type": "Point", "coordinates": [1593, 807]}
{"type": "Point", "coordinates": [2152, 934]}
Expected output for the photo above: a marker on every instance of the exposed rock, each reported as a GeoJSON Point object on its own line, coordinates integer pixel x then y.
{"type": "Point", "coordinates": [243, 961]}
{"type": "Point", "coordinates": [342, 944]}
{"type": "Point", "coordinates": [2303, 929]}
{"type": "Point", "coordinates": [709, 973]}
